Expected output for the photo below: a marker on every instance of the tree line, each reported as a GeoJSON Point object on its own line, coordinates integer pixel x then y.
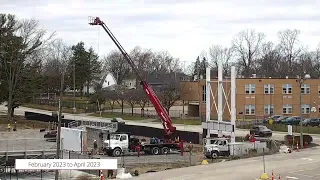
{"type": "Point", "coordinates": [33, 61]}
{"type": "Point", "coordinates": [252, 53]}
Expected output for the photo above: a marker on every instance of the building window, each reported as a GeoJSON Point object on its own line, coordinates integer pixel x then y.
{"type": "Point", "coordinates": [287, 89]}
{"type": "Point", "coordinates": [268, 89]}
{"type": "Point", "coordinates": [305, 89]}
{"type": "Point", "coordinates": [268, 109]}
{"type": "Point", "coordinates": [305, 108]}
{"type": "Point", "coordinates": [250, 109]}
{"type": "Point", "coordinates": [204, 94]}
{"type": "Point", "coordinates": [287, 109]}
{"type": "Point", "coordinates": [250, 88]}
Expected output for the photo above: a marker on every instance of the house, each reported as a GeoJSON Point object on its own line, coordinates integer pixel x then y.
{"type": "Point", "coordinates": [130, 83]}
{"type": "Point", "coordinates": [106, 80]}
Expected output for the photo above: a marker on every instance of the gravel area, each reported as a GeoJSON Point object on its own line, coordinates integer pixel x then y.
{"type": "Point", "coordinates": [28, 139]}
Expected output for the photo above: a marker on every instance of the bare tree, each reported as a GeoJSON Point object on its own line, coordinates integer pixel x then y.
{"type": "Point", "coordinates": [289, 47]}
{"type": "Point", "coordinates": [142, 58]}
{"type": "Point", "coordinates": [247, 46]}
{"type": "Point", "coordinates": [269, 63]}
{"type": "Point", "coordinates": [316, 61]}
{"type": "Point", "coordinates": [219, 54]}
{"type": "Point", "coordinates": [111, 98]}
{"type": "Point", "coordinates": [131, 98]}
{"type": "Point", "coordinates": [117, 65]}
{"type": "Point", "coordinates": [141, 99]}
{"type": "Point", "coordinates": [164, 62]}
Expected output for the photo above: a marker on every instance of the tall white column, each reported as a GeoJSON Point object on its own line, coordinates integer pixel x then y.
{"type": "Point", "coordinates": [233, 102]}
{"type": "Point", "coordinates": [220, 96]}
{"type": "Point", "coordinates": [208, 98]}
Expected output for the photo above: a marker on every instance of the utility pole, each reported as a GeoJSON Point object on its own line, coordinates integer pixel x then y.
{"type": "Point", "coordinates": [74, 89]}
{"type": "Point", "coordinates": [59, 124]}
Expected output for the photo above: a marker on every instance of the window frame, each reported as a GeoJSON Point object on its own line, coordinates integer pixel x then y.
{"type": "Point", "coordinates": [269, 108]}
{"type": "Point", "coordinates": [268, 88]}
{"type": "Point", "coordinates": [286, 108]}
{"type": "Point", "coordinates": [287, 88]}
{"type": "Point", "coordinates": [305, 109]}
{"type": "Point", "coordinates": [250, 88]}
{"type": "Point", "coordinates": [251, 109]}
{"type": "Point", "coordinates": [305, 89]}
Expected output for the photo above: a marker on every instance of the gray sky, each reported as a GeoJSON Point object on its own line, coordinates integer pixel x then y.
{"type": "Point", "coordinates": [183, 27]}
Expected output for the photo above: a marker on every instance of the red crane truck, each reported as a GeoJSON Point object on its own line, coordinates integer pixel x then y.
{"type": "Point", "coordinates": [169, 129]}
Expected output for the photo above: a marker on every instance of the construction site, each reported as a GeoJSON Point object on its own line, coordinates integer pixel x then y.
{"type": "Point", "coordinates": [160, 150]}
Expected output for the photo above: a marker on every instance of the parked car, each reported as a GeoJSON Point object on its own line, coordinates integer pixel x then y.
{"type": "Point", "coordinates": [273, 117]}
{"type": "Point", "coordinates": [261, 131]}
{"type": "Point", "coordinates": [281, 119]}
{"type": "Point", "coordinates": [50, 135]}
{"type": "Point", "coordinates": [314, 122]}
{"type": "Point", "coordinates": [118, 120]}
{"type": "Point", "coordinates": [306, 122]}
{"type": "Point", "coordinates": [293, 120]}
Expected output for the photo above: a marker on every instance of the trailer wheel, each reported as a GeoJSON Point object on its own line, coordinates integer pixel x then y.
{"type": "Point", "coordinates": [165, 150]}
{"type": "Point", "coordinates": [214, 154]}
{"type": "Point", "coordinates": [155, 151]}
{"type": "Point", "coordinates": [116, 152]}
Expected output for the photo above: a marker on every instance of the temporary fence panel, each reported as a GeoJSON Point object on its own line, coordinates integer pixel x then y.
{"type": "Point", "coordinates": [71, 139]}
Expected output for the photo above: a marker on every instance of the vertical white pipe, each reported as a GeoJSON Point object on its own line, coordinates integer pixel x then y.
{"type": "Point", "coordinates": [233, 101]}
{"type": "Point", "coordinates": [208, 94]}
{"type": "Point", "coordinates": [220, 96]}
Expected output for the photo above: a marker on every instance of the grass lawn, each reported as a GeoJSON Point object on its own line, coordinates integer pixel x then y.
{"type": "Point", "coordinates": [187, 121]}
{"type": "Point", "coordinates": [52, 108]}
{"type": "Point", "coordinates": [135, 117]}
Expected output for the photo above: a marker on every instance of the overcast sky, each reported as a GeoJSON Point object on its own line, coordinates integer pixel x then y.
{"type": "Point", "coordinates": [183, 27]}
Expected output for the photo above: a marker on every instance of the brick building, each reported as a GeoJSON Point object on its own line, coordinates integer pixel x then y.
{"type": "Point", "coordinates": [258, 97]}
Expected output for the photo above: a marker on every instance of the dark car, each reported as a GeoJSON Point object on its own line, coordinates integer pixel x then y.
{"type": "Point", "coordinates": [306, 122]}
{"type": "Point", "coordinates": [118, 120]}
{"type": "Point", "coordinates": [50, 135]}
{"type": "Point", "coordinates": [273, 117]}
{"type": "Point", "coordinates": [314, 122]}
{"type": "Point", "coordinates": [294, 120]}
{"type": "Point", "coordinates": [281, 119]}
{"type": "Point", "coordinates": [261, 131]}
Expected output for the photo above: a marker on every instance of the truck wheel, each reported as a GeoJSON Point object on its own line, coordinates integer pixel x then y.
{"type": "Point", "coordinates": [116, 152]}
{"type": "Point", "coordinates": [155, 151]}
{"type": "Point", "coordinates": [214, 154]}
{"type": "Point", "coordinates": [165, 150]}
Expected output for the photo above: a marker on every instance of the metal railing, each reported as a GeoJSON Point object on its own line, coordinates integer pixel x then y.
{"type": "Point", "coordinates": [25, 144]}
{"type": "Point", "coordinates": [112, 127]}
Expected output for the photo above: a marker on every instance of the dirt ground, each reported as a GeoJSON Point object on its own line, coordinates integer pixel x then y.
{"type": "Point", "coordinates": [21, 122]}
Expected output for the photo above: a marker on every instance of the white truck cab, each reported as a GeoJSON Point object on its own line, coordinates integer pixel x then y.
{"type": "Point", "coordinates": [116, 144]}
{"type": "Point", "coordinates": [215, 147]}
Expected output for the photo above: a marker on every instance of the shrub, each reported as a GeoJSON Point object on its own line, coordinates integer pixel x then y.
{"type": "Point", "coordinates": [306, 139]}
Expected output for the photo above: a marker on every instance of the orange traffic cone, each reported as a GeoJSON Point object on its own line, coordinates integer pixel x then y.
{"type": "Point", "coordinates": [272, 177]}
{"type": "Point", "coordinates": [101, 175]}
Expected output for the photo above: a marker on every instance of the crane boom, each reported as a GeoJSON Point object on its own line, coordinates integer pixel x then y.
{"type": "Point", "coordinates": [161, 111]}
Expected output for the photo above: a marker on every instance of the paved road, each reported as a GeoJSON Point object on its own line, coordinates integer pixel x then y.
{"type": "Point", "coordinates": [302, 165]}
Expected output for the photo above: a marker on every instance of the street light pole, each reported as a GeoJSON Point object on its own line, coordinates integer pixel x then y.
{"type": "Point", "coordinates": [300, 82]}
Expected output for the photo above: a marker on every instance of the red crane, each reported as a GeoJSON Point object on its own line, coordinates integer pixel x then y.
{"type": "Point", "coordinates": [169, 129]}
